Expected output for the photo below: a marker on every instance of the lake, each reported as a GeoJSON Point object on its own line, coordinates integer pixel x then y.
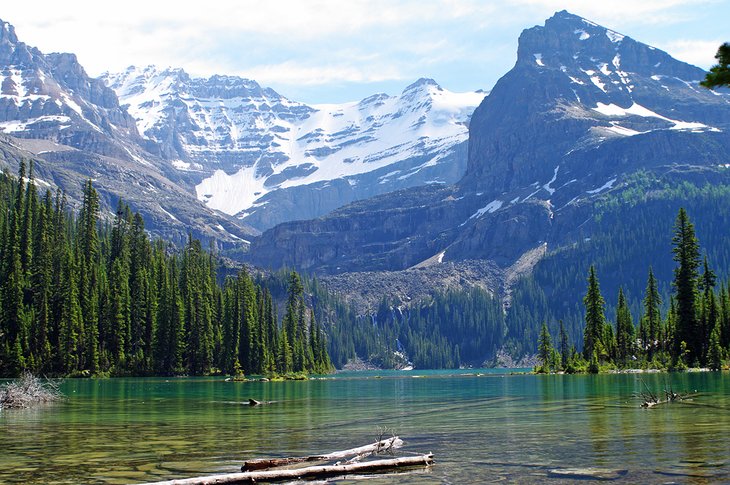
{"type": "Point", "coordinates": [482, 426]}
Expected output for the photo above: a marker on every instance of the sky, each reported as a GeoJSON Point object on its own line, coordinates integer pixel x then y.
{"type": "Point", "coordinates": [332, 51]}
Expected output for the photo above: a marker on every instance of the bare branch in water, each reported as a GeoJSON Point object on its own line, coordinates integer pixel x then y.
{"type": "Point", "coordinates": [28, 391]}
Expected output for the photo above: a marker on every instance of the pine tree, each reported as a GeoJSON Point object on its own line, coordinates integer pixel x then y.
{"type": "Point", "coordinates": [89, 257]}
{"type": "Point", "coordinates": [544, 348]}
{"type": "Point", "coordinates": [564, 347]}
{"type": "Point", "coordinates": [724, 317]}
{"type": "Point", "coordinates": [624, 330]}
{"type": "Point", "coordinates": [714, 353]}
{"type": "Point", "coordinates": [687, 255]}
{"type": "Point", "coordinates": [70, 324]}
{"type": "Point", "coordinates": [651, 320]}
{"type": "Point", "coordinates": [595, 317]}
{"type": "Point", "coordinates": [709, 310]}
{"type": "Point", "coordinates": [12, 289]}
{"type": "Point", "coordinates": [41, 287]}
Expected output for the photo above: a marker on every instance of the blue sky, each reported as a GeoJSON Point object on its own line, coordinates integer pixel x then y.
{"type": "Point", "coordinates": [322, 51]}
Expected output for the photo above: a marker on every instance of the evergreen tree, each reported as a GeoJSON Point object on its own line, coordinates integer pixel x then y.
{"type": "Point", "coordinates": [651, 320]}
{"type": "Point", "coordinates": [12, 287]}
{"type": "Point", "coordinates": [70, 324]}
{"type": "Point", "coordinates": [595, 317]}
{"type": "Point", "coordinates": [687, 254]}
{"type": "Point", "coordinates": [624, 331]}
{"type": "Point", "coordinates": [564, 347]}
{"type": "Point", "coordinates": [724, 317]}
{"type": "Point", "coordinates": [544, 348]}
{"type": "Point", "coordinates": [719, 75]}
{"type": "Point", "coordinates": [714, 357]}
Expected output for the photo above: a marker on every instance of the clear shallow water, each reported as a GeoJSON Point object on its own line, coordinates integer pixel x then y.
{"type": "Point", "coordinates": [481, 428]}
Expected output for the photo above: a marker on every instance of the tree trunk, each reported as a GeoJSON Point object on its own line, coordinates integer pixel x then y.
{"type": "Point", "coordinates": [362, 451]}
{"type": "Point", "coordinates": [305, 473]}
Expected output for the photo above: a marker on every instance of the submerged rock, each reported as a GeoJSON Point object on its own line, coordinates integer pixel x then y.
{"type": "Point", "coordinates": [587, 473]}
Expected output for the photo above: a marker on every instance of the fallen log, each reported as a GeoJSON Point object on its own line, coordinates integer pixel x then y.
{"type": "Point", "coordinates": [360, 452]}
{"type": "Point", "coordinates": [305, 473]}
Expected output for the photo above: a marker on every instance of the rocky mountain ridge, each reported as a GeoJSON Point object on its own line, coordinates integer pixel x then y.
{"type": "Point", "coordinates": [254, 154]}
{"type": "Point", "coordinates": [583, 109]}
{"type": "Point", "coordinates": [72, 125]}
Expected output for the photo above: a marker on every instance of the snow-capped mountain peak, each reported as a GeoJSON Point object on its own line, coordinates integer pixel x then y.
{"type": "Point", "coordinates": [244, 142]}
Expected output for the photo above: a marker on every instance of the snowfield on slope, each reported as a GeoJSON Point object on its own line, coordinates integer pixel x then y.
{"type": "Point", "coordinates": [281, 143]}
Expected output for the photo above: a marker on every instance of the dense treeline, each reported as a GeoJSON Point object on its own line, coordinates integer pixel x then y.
{"type": "Point", "coordinates": [450, 330]}
{"type": "Point", "coordinates": [693, 331]}
{"type": "Point", "coordinates": [632, 233]}
{"type": "Point", "coordinates": [78, 297]}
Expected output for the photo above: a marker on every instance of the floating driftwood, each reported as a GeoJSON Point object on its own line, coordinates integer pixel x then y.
{"type": "Point", "coordinates": [353, 454]}
{"type": "Point", "coordinates": [28, 391]}
{"type": "Point", "coordinates": [650, 399]}
{"type": "Point", "coordinates": [305, 473]}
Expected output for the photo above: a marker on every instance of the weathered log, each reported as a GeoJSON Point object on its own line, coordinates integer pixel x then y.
{"type": "Point", "coordinates": [305, 473]}
{"type": "Point", "coordinates": [374, 448]}
{"type": "Point", "coordinates": [253, 402]}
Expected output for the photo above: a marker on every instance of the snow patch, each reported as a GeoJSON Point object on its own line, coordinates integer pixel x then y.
{"type": "Point", "coordinates": [490, 208]}
{"type": "Point", "coordinates": [440, 257]}
{"type": "Point", "coordinates": [615, 37]}
{"type": "Point", "coordinates": [606, 186]}
{"type": "Point", "coordinates": [312, 144]}
{"type": "Point", "coordinates": [597, 82]}
{"type": "Point", "coordinates": [548, 186]}
{"type": "Point", "coordinates": [180, 165]}
{"type": "Point", "coordinates": [231, 193]}
{"type": "Point", "coordinates": [613, 110]}
{"type": "Point", "coordinates": [538, 60]}
{"type": "Point", "coordinates": [168, 214]}
{"type": "Point", "coordinates": [583, 35]}
{"type": "Point", "coordinates": [19, 126]}
{"type": "Point", "coordinates": [620, 130]}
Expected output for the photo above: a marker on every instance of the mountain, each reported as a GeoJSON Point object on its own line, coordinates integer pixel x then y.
{"type": "Point", "coordinates": [582, 112]}
{"type": "Point", "coordinates": [72, 125]}
{"type": "Point", "coordinates": [256, 155]}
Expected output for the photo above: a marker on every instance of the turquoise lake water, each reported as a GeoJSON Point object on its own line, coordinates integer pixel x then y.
{"type": "Point", "coordinates": [482, 426]}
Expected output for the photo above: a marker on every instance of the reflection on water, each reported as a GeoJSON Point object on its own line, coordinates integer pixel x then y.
{"type": "Point", "coordinates": [481, 428]}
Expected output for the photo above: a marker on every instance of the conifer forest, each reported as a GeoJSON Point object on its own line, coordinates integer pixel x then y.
{"type": "Point", "coordinates": [83, 296]}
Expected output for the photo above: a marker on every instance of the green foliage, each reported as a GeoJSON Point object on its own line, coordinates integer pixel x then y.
{"type": "Point", "coordinates": [715, 351]}
{"type": "Point", "coordinates": [719, 75]}
{"type": "Point", "coordinates": [692, 334]}
{"type": "Point", "coordinates": [594, 337]}
{"type": "Point", "coordinates": [630, 233]}
{"type": "Point", "coordinates": [545, 351]}
{"type": "Point", "coordinates": [624, 332]}
{"type": "Point", "coordinates": [687, 256]}
{"type": "Point", "coordinates": [452, 329]}
{"type": "Point", "coordinates": [593, 365]}
{"type": "Point", "coordinates": [82, 298]}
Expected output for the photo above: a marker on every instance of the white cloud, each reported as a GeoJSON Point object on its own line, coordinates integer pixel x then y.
{"type": "Point", "coordinates": [315, 42]}
{"type": "Point", "coordinates": [296, 73]}
{"type": "Point", "coordinates": [698, 52]}
{"type": "Point", "coordinates": [622, 12]}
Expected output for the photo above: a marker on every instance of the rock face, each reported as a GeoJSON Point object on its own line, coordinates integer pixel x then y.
{"type": "Point", "coordinates": [581, 97]}
{"type": "Point", "coordinates": [74, 128]}
{"type": "Point", "coordinates": [582, 110]}
{"type": "Point", "coordinates": [265, 159]}
{"type": "Point", "coordinates": [51, 97]}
